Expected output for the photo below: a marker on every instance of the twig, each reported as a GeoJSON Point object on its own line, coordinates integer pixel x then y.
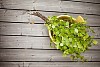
{"type": "Point", "coordinates": [40, 15]}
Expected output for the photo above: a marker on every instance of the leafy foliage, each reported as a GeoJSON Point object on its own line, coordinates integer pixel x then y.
{"type": "Point", "coordinates": [70, 37]}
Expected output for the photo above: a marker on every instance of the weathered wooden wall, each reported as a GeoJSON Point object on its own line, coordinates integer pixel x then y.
{"type": "Point", "coordinates": [28, 45]}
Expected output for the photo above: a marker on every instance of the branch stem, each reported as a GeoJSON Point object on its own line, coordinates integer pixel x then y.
{"type": "Point", "coordinates": [40, 15]}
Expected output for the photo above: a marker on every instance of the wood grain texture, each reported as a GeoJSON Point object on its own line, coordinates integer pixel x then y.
{"type": "Point", "coordinates": [30, 42]}
{"type": "Point", "coordinates": [15, 15]}
{"type": "Point", "coordinates": [23, 29]}
{"type": "Point", "coordinates": [42, 55]}
{"type": "Point", "coordinates": [62, 6]}
{"type": "Point", "coordinates": [23, 16]}
{"type": "Point", "coordinates": [49, 64]}
{"type": "Point", "coordinates": [31, 29]}
{"type": "Point", "coordinates": [80, 7]}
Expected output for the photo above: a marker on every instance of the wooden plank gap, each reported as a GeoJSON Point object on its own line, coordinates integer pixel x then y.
{"type": "Point", "coordinates": [23, 35]}
{"type": "Point", "coordinates": [50, 61]}
{"type": "Point", "coordinates": [53, 11]}
{"type": "Point", "coordinates": [81, 1]}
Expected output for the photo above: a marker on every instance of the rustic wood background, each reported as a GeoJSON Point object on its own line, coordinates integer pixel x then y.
{"type": "Point", "coordinates": [27, 45]}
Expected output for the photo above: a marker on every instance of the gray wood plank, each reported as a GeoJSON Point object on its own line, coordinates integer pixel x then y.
{"type": "Point", "coordinates": [22, 16]}
{"type": "Point", "coordinates": [41, 55]}
{"type": "Point", "coordinates": [78, 7]}
{"type": "Point", "coordinates": [68, 6]}
{"type": "Point", "coordinates": [23, 29]}
{"type": "Point", "coordinates": [15, 15]}
{"type": "Point", "coordinates": [31, 42]}
{"type": "Point", "coordinates": [20, 4]}
{"type": "Point", "coordinates": [31, 29]}
{"type": "Point", "coordinates": [63, 6]}
{"type": "Point", "coordinates": [49, 64]}
{"type": "Point", "coordinates": [10, 64]}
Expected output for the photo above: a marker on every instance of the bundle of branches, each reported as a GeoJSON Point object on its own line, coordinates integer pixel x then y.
{"type": "Point", "coordinates": [69, 35]}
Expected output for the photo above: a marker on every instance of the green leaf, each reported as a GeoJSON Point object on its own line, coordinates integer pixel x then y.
{"type": "Point", "coordinates": [53, 26]}
{"type": "Point", "coordinates": [92, 30]}
{"type": "Point", "coordinates": [57, 41]}
{"type": "Point", "coordinates": [61, 44]}
{"type": "Point", "coordinates": [86, 36]}
{"type": "Point", "coordinates": [72, 31]}
{"type": "Point", "coordinates": [67, 24]}
{"type": "Point", "coordinates": [74, 44]}
{"type": "Point", "coordinates": [72, 57]}
{"type": "Point", "coordinates": [79, 45]}
{"type": "Point", "coordinates": [64, 55]}
{"type": "Point", "coordinates": [95, 42]}
{"type": "Point", "coordinates": [70, 39]}
{"type": "Point", "coordinates": [65, 48]}
{"type": "Point", "coordinates": [66, 52]}
{"type": "Point", "coordinates": [76, 30]}
{"type": "Point", "coordinates": [80, 35]}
